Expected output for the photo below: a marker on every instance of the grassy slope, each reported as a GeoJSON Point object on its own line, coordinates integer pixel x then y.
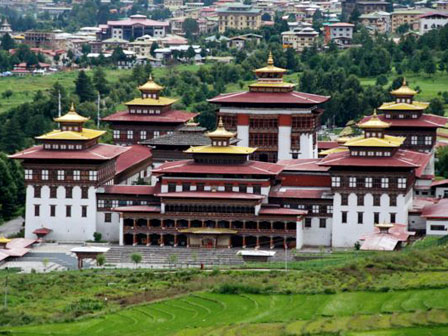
{"type": "Point", "coordinates": [221, 314]}
{"type": "Point", "coordinates": [24, 88]}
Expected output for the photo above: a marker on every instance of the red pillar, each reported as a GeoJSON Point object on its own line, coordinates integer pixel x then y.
{"type": "Point", "coordinates": [175, 240]}
{"type": "Point", "coordinates": [161, 240]}
{"type": "Point", "coordinates": [134, 241]}
{"type": "Point", "coordinates": [244, 241]}
{"type": "Point", "coordinates": [258, 242]}
{"type": "Point", "coordinates": [271, 242]}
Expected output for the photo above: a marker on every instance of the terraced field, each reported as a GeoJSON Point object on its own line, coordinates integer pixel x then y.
{"type": "Point", "coordinates": [224, 314]}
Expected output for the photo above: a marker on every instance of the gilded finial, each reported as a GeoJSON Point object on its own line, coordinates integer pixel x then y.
{"type": "Point", "coordinates": [270, 59]}
{"type": "Point", "coordinates": [72, 108]}
{"type": "Point", "coordinates": [404, 81]}
{"type": "Point", "coordinates": [150, 77]}
{"type": "Point", "coordinates": [374, 113]}
{"type": "Point", "coordinates": [220, 123]}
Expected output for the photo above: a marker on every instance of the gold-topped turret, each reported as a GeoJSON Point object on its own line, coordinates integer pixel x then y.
{"type": "Point", "coordinates": [404, 90]}
{"type": "Point", "coordinates": [220, 132]}
{"type": "Point", "coordinates": [150, 85]}
{"type": "Point", "coordinates": [270, 68]}
{"type": "Point", "coordinates": [374, 123]}
{"type": "Point", "coordinates": [71, 117]}
{"type": "Point", "coordinates": [270, 79]}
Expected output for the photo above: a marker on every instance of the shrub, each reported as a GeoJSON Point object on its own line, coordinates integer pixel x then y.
{"type": "Point", "coordinates": [136, 258]}
{"type": "Point", "coordinates": [97, 236]}
{"type": "Point", "coordinates": [100, 259]}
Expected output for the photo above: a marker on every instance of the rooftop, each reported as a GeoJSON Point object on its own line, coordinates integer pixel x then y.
{"type": "Point", "coordinates": [132, 157]}
{"type": "Point", "coordinates": [171, 116]}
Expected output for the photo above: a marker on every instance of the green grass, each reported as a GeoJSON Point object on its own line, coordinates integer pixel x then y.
{"type": "Point", "coordinates": [220, 314]}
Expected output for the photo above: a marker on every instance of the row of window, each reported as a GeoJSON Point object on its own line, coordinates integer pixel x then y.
{"type": "Point", "coordinates": [370, 153]}
{"type": "Point", "coordinates": [68, 192]}
{"type": "Point", "coordinates": [420, 140]}
{"type": "Point", "coordinates": [322, 222]}
{"type": "Point", "coordinates": [62, 146]}
{"type": "Point", "coordinates": [116, 203]}
{"type": "Point", "coordinates": [263, 139]}
{"type": "Point", "coordinates": [368, 182]}
{"type": "Point", "coordinates": [61, 175]}
{"type": "Point", "coordinates": [228, 187]}
{"type": "Point", "coordinates": [68, 210]}
{"type": "Point", "coordinates": [315, 208]}
{"type": "Point", "coordinates": [401, 115]}
{"type": "Point", "coordinates": [129, 134]}
{"type": "Point", "coordinates": [208, 208]}
{"type": "Point", "coordinates": [376, 217]}
{"type": "Point", "coordinates": [145, 111]}
{"type": "Point", "coordinates": [376, 200]}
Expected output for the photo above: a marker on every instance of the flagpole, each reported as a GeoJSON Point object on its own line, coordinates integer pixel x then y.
{"type": "Point", "coordinates": [98, 111]}
{"type": "Point", "coordinates": [59, 103]}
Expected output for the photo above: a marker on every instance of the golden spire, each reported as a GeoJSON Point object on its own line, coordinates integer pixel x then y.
{"type": "Point", "coordinates": [270, 59]}
{"type": "Point", "coordinates": [404, 90]}
{"type": "Point", "coordinates": [71, 116]}
{"type": "Point", "coordinates": [220, 131]}
{"type": "Point", "coordinates": [150, 85]}
{"type": "Point", "coordinates": [374, 122]}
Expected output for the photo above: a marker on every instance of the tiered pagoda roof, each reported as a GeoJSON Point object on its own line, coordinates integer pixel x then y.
{"type": "Point", "coordinates": [151, 107]}
{"type": "Point", "coordinates": [270, 88]}
{"type": "Point", "coordinates": [71, 142]}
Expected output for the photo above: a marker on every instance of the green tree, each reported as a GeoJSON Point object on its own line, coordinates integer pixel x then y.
{"type": "Point", "coordinates": [291, 59]}
{"type": "Point", "coordinates": [7, 42]}
{"type": "Point", "coordinates": [381, 80]}
{"type": "Point", "coordinates": [442, 162]}
{"type": "Point", "coordinates": [100, 81]}
{"type": "Point", "coordinates": [190, 27]}
{"type": "Point", "coordinates": [7, 191]}
{"type": "Point", "coordinates": [436, 107]}
{"type": "Point", "coordinates": [100, 259]}
{"type": "Point", "coordinates": [136, 258]}
{"type": "Point", "coordinates": [7, 94]}
{"type": "Point", "coordinates": [84, 87]}
{"type": "Point", "coordinates": [190, 54]}
{"type": "Point", "coordinates": [154, 46]}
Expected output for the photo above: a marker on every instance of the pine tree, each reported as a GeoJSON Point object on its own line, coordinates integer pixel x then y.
{"type": "Point", "coordinates": [7, 42]}
{"type": "Point", "coordinates": [99, 81]}
{"type": "Point", "coordinates": [13, 137]}
{"type": "Point", "coordinates": [84, 88]}
{"type": "Point", "coordinates": [7, 188]}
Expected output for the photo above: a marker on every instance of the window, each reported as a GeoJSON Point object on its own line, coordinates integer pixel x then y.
{"type": "Point", "coordinates": [360, 199]}
{"type": "Point", "coordinates": [329, 209]}
{"type": "Point", "coordinates": [68, 192]}
{"type": "Point", "coordinates": [243, 188]}
{"type": "Point", "coordinates": [344, 217]}
{"type": "Point", "coordinates": [307, 222]}
{"type": "Point", "coordinates": [142, 135]}
{"type": "Point", "coordinates": [393, 200]}
{"type": "Point", "coordinates": [199, 186]}
{"type": "Point", "coordinates": [36, 210]}
{"type": "Point", "coordinates": [352, 182]}
{"type": "Point", "coordinates": [376, 217]}
{"type": "Point", "coordinates": [93, 175]}
{"type": "Point", "coordinates": [37, 191]}
{"type": "Point", "coordinates": [171, 187]}
{"type": "Point", "coordinates": [401, 182]}
{"type": "Point", "coordinates": [45, 174]}
{"type": "Point", "coordinates": [228, 187]}
{"type": "Point", "coordinates": [130, 134]}
{"type": "Point", "coordinates": [107, 217]}
{"type": "Point", "coordinates": [384, 182]}
{"type": "Point", "coordinates": [116, 134]}
{"type": "Point", "coordinates": [315, 209]}
{"type": "Point", "coordinates": [60, 175]}
{"type": "Point", "coordinates": [344, 199]}
{"type": "Point", "coordinates": [393, 217]}
{"type": "Point", "coordinates": [83, 210]}
{"type": "Point", "coordinates": [428, 140]}
{"type": "Point", "coordinates": [52, 210]}
{"type": "Point", "coordinates": [53, 192]}
{"type": "Point", "coordinates": [114, 203]}
{"type": "Point", "coordinates": [368, 182]}
{"type": "Point", "coordinates": [376, 200]}
{"type": "Point", "coordinates": [76, 175]}
{"type": "Point", "coordinates": [335, 181]}
{"type": "Point", "coordinates": [438, 228]}
{"type": "Point", "coordinates": [322, 223]}
{"type": "Point", "coordinates": [186, 186]}
{"type": "Point", "coordinates": [28, 174]}
{"type": "Point", "coordinates": [156, 134]}
{"type": "Point", "coordinates": [101, 203]}
{"type": "Point", "coordinates": [414, 140]}
{"type": "Point", "coordinates": [68, 211]}
{"type": "Point", "coordinates": [360, 217]}
{"type": "Point", "coordinates": [257, 189]}
{"type": "Point", "coordinates": [84, 192]}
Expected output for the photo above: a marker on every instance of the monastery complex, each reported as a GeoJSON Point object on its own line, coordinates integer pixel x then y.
{"type": "Point", "coordinates": [259, 180]}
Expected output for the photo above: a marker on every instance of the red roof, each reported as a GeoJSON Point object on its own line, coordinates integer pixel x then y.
{"type": "Point", "coordinates": [323, 145]}
{"type": "Point", "coordinates": [426, 120]}
{"type": "Point", "coordinates": [402, 159]}
{"type": "Point", "coordinates": [445, 15]}
{"type": "Point", "coordinates": [130, 189]}
{"type": "Point", "coordinates": [281, 211]}
{"type": "Point", "coordinates": [137, 208]}
{"type": "Point", "coordinates": [293, 97]}
{"type": "Point", "coordinates": [377, 241]}
{"type": "Point", "coordinates": [439, 183]}
{"type": "Point", "coordinates": [42, 231]}
{"type": "Point", "coordinates": [298, 193]}
{"type": "Point", "coordinates": [171, 116]}
{"type": "Point", "coordinates": [191, 167]}
{"type": "Point", "coordinates": [436, 211]}
{"type": "Point", "coordinates": [303, 165]}
{"type": "Point", "coordinates": [132, 157]}
{"type": "Point", "coordinates": [97, 152]}
{"type": "Point", "coordinates": [211, 194]}
{"type": "Point", "coordinates": [342, 24]}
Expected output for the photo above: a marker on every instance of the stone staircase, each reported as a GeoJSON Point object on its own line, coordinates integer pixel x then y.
{"type": "Point", "coordinates": [181, 256]}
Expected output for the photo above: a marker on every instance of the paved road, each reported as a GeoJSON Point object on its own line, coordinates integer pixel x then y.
{"type": "Point", "coordinates": [11, 227]}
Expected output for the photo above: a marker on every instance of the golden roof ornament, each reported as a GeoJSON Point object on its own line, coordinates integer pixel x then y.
{"type": "Point", "coordinates": [71, 116]}
{"type": "Point", "coordinates": [404, 90]}
{"type": "Point", "coordinates": [374, 122]}
{"type": "Point", "coordinates": [220, 131]}
{"type": "Point", "coordinates": [270, 59]}
{"type": "Point", "coordinates": [150, 85]}
{"type": "Point", "coordinates": [270, 68]}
